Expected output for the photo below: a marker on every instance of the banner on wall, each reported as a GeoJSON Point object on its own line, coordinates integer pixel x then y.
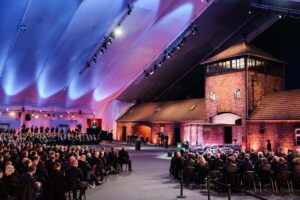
{"type": "Point", "coordinates": [94, 123]}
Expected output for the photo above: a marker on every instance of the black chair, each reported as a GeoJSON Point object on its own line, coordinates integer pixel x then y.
{"type": "Point", "coordinates": [282, 178]}
{"type": "Point", "coordinates": [213, 175]}
{"type": "Point", "coordinates": [189, 175]}
{"type": "Point", "coordinates": [296, 179]}
{"type": "Point", "coordinates": [247, 179]}
{"type": "Point", "coordinates": [232, 179]}
{"type": "Point", "coordinates": [265, 178]}
{"type": "Point", "coordinates": [74, 185]}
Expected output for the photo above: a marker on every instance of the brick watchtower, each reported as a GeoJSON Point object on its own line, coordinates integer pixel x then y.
{"type": "Point", "coordinates": [235, 82]}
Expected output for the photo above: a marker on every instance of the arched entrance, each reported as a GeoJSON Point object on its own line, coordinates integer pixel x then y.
{"type": "Point", "coordinates": [231, 125]}
{"type": "Point", "coordinates": [226, 118]}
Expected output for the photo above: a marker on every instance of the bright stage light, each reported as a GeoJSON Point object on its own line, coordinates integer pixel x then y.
{"type": "Point", "coordinates": [118, 31]}
{"type": "Point", "coordinates": [12, 114]}
{"type": "Point", "coordinates": [36, 116]}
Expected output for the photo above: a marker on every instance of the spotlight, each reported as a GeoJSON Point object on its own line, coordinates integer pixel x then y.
{"type": "Point", "coordinates": [60, 115]}
{"type": "Point", "coordinates": [45, 115]}
{"type": "Point", "coordinates": [151, 72]}
{"type": "Point", "coordinates": [159, 64]}
{"type": "Point", "coordinates": [40, 111]}
{"type": "Point", "coordinates": [32, 115]}
{"type": "Point", "coordinates": [129, 9]}
{"type": "Point", "coordinates": [22, 27]}
{"type": "Point", "coordinates": [7, 109]}
{"type": "Point", "coordinates": [118, 31]}
{"type": "Point", "coordinates": [146, 74]}
{"type": "Point", "coordinates": [36, 116]}
{"type": "Point", "coordinates": [279, 16]}
{"type": "Point", "coordinates": [102, 51]}
{"type": "Point", "coordinates": [169, 56]}
{"type": "Point", "coordinates": [95, 59]}
{"type": "Point", "coordinates": [108, 41]}
{"type": "Point", "coordinates": [249, 12]}
{"type": "Point", "coordinates": [179, 47]}
{"type": "Point", "coordinates": [12, 114]}
{"type": "Point", "coordinates": [173, 50]}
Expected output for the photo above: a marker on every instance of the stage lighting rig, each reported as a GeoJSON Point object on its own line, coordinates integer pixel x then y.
{"type": "Point", "coordinates": [116, 32]}
{"type": "Point", "coordinates": [168, 53]}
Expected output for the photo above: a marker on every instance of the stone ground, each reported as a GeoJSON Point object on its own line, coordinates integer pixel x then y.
{"type": "Point", "coordinates": [150, 180]}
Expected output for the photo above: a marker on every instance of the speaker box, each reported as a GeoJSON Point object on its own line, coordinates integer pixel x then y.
{"type": "Point", "coordinates": [27, 117]}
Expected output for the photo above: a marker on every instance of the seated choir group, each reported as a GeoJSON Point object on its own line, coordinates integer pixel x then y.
{"type": "Point", "coordinates": [232, 165]}
{"type": "Point", "coordinates": [29, 170]}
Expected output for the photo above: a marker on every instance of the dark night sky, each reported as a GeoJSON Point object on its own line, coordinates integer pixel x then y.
{"type": "Point", "coordinates": [282, 40]}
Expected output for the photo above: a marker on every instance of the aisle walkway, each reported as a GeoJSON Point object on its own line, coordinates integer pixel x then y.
{"type": "Point", "coordinates": [150, 180]}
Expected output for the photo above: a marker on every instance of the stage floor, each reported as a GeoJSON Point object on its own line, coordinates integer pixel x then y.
{"type": "Point", "coordinates": [150, 180]}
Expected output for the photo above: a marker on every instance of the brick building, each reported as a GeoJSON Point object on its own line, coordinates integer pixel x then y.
{"type": "Point", "coordinates": [245, 103]}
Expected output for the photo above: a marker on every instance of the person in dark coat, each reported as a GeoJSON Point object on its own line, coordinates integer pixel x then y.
{"type": "Point", "coordinates": [56, 184]}
{"type": "Point", "coordinates": [188, 169]}
{"type": "Point", "coordinates": [218, 163]}
{"type": "Point", "coordinates": [28, 179]}
{"type": "Point", "coordinates": [112, 160]}
{"type": "Point", "coordinates": [246, 165]}
{"type": "Point", "coordinates": [74, 171]}
{"type": "Point", "coordinates": [178, 165]}
{"type": "Point", "coordinates": [124, 158]}
{"type": "Point", "coordinates": [3, 191]}
{"type": "Point", "coordinates": [269, 146]}
{"type": "Point", "coordinates": [87, 170]}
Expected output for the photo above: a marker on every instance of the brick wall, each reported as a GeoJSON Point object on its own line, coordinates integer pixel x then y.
{"type": "Point", "coordinates": [192, 133]}
{"type": "Point", "coordinates": [143, 131]}
{"type": "Point", "coordinates": [263, 84]}
{"type": "Point", "coordinates": [224, 86]}
{"type": "Point", "coordinates": [215, 134]}
{"type": "Point", "coordinates": [168, 129]}
{"type": "Point", "coordinates": [281, 134]}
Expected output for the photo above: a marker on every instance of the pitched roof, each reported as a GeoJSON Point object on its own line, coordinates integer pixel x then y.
{"type": "Point", "coordinates": [241, 49]}
{"type": "Point", "coordinates": [283, 105]}
{"type": "Point", "coordinates": [172, 111]}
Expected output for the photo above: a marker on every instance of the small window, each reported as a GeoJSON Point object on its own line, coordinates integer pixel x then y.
{"type": "Point", "coordinates": [212, 96]}
{"type": "Point", "coordinates": [237, 94]}
{"type": "Point", "coordinates": [242, 63]}
{"type": "Point", "coordinates": [228, 64]}
{"type": "Point", "coordinates": [233, 64]}
{"type": "Point", "coordinates": [297, 137]}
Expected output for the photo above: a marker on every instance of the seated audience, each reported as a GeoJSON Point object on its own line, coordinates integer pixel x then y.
{"type": "Point", "coordinates": [124, 158]}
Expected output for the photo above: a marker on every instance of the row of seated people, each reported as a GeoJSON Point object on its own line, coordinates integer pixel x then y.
{"type": "Point", "coordinates": [50, 139]}
{"type": "Point", "coordinates": [233, 168]}
{"type": "Point", "coordinates": [30, 171]}
{"type": "Point", "coordinates": [41, 129]}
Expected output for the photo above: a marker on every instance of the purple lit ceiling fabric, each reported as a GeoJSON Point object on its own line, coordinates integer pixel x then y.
{"type": "Point", "coordinates": [44, 45]}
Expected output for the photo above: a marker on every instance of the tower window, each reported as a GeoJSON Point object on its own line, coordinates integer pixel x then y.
{"type": "Point", "coordinates": [237, 94]}
{"type": "Point", "coordinates": [233, 64]}
{"type": "Point", "coordinates": [212, 96]}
